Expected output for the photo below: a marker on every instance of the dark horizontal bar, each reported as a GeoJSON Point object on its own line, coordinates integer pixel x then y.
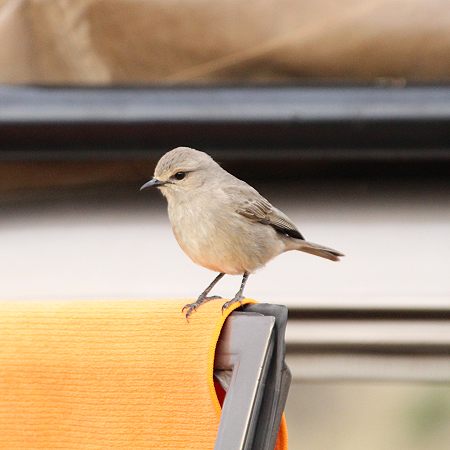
{"type": "Point", "coordinates": [282, 121]}
{"type": "Point", "coordinates": [394, 314]}
{"type": "Point", "coordinates": [369, 349]}
{"type": "Point", "coordinates": [226, 104]}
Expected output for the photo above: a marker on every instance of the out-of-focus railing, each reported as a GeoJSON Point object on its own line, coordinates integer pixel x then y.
{"type": "Point", "coordinates": [369, 343]}
{"type": "Point", "coordinates": [337, 123]}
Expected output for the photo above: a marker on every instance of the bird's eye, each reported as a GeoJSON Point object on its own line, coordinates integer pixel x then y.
{"type": "Point", "coordinates": [180, 175]}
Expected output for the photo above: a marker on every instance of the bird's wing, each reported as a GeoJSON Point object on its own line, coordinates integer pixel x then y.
{"type": "Point", "coordinates": [256, 208]}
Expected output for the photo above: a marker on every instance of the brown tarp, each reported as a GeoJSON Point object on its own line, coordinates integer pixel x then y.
{"type": "Point", "coordinates": [176, 41]}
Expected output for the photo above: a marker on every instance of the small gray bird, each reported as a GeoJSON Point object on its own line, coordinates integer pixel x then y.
{"type": "Point", "coordinates": [221, 222]}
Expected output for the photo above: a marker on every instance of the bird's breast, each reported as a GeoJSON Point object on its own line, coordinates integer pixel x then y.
{"type": "Point", "coordinates": [199, 234]}
{"type": "Point", "coordinates": [219, 239]}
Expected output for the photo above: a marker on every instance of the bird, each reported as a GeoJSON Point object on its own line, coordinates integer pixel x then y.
{"type": "Point", "coordinates": [221, 222]}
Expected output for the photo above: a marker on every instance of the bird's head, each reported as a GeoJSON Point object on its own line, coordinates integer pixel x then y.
{"type": "Point", "coordinates": [182, 170]}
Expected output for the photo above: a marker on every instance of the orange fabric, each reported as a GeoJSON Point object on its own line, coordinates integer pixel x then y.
{"type": "Point", "coordinates": [102, 374]}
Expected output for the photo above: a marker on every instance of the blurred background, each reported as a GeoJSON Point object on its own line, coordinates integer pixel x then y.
{"type": "Point", "coordinates": [337, 112]}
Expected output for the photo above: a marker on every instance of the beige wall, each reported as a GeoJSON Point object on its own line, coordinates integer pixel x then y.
{"type": "Point", "coordinates": [166, 41]}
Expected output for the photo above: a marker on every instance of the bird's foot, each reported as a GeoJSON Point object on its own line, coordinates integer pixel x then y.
{"type": "Point", "coordinates": [192, 307]}
{"type": "Point", "coordinates": [237, 298]}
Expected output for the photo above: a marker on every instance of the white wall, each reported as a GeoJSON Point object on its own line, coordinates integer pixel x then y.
{"type": "Point", "coordinates": [115, 244]}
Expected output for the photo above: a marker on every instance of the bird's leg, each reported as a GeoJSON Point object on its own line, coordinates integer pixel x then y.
{"type": "Point", "coordinates": [238, 297]}
{"type": "Point", "coordinates": [202, 298]}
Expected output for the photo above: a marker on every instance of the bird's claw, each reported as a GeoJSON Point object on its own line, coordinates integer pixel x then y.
{"type": "Point", "coordinates": [192, 307]}
{"type": "Point", "coordinates": [226, 305]}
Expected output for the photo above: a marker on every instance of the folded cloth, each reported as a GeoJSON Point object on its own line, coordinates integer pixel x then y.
{"type": "Point", "coordinates": [109, 374]}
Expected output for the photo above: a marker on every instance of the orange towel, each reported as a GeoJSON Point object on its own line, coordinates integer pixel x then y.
{"type": "Point", "coordinates": [107, 375]}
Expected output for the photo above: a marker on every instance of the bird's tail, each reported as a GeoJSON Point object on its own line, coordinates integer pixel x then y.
{"type": "Point", "coordinates": [319, 250]}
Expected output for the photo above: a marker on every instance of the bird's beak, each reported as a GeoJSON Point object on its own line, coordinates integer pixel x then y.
{"type": "Point", "coordinates": [154, 182]}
